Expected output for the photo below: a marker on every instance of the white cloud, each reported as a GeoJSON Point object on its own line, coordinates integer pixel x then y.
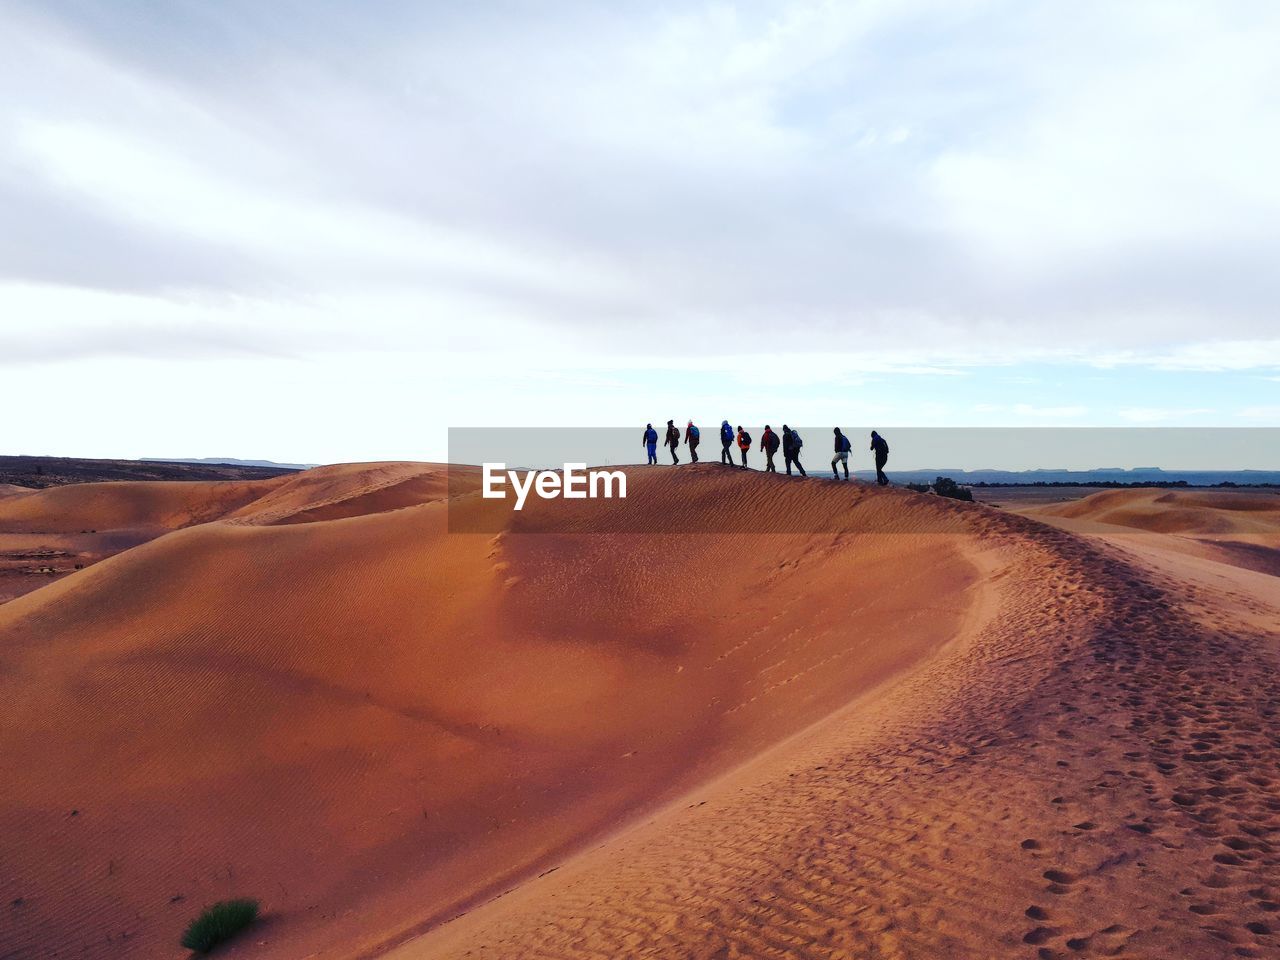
{"type": "Point", "coordinates": [1160, 414]}
{"type": "Point", "coordinates": [811, 193]}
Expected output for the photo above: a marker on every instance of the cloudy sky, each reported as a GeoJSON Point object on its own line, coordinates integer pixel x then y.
{"type": "Point", "coordinates": [320, 231]}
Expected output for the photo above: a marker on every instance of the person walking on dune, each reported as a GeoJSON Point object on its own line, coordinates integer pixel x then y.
{"type": "Point", "coordinates": [769, 444]}
{"type": "Point", "coordinates": [882, 457]}
{"type": "Point", "coordinates": [673, 441]}
{"type": "Point", "coordinates": [726, 441]}
{"type": "Point", "coordinates": [691, 437]}
{"type": "Point", "coordinates": [791, 444]}
{"type": "Point", "coordinates": [650, 441]}
{"type": "Point", "coordinates": [744, 444]}
{"type": "Point", "coordinates": [843, 446]}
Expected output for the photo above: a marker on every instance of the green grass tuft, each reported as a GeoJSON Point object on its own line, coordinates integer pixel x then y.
{"type": "Point", "coordinates": [219, 923]}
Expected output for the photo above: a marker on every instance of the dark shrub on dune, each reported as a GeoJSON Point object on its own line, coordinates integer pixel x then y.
{"type": "Point", "coordinates": [219, 923]}
{"type": "Point", "coordinates": [944, 487]}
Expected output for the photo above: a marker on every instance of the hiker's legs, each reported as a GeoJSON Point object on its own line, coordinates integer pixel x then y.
{"type": "Point", "coordinates": [744, 459]}
{"type": "Point", "coordinates": [653, 453]}
{"type": "Point", "coordinates": [787, 460]}
{"type": "Point", "coordinates": [674, 458]}
{"type": "Point", "coordinates": [725, 455]}
{"type": "Point", "coordinates": [769, 466]}
{"type": "Point", "coordinates": [798, 467]}
{"type": "Point", "coordinates": [834, 460]}
{"type": "Point", "coordinates": [880, 477]}
{"type": "Point", "coordinates": [693, 452]}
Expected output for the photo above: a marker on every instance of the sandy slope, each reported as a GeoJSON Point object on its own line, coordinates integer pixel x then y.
{"type": "Point", "coordinates": [1091, 769]}
{"type": "Point", "coordinates": [1237, 528]}
{"type": "Point", "coordinates": [370, 723]}
{"type": "Point", "coordinates": [47, 534]}
{"type": "Point", "coordinates": [935, 731]}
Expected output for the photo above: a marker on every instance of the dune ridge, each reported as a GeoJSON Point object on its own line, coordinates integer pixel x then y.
{"type": "Point", "coordinates": [1092, 773]}
{"type": "Point", "coordinates": [962, 733]}
{"type": "Point", "coordinates": [370, 722]}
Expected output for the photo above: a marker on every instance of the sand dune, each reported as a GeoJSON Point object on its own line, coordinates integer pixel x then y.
{"type": "Point", "coordinates": [1237, 528]}
{"type": "Point", "coordinates": [370, 723]}
{"type": "Point", "coordinates": [159, 505]}
{"type": "Point", "coordinates": [936, 730]}
{"type": "Point", "coordinates": [49, 533]}
{"type": "Point", "coordinates": [1202, 512]}
{"type": "Point", "coordinates": [349, 490]}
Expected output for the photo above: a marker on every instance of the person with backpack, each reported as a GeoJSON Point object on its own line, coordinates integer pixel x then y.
{"type": "Point", "coordinates": [882, 457]}
{"type": "Point", "coordinates": [791, 444]}
{"type": "Point", "coordinates": [744, 444]}
{"type": "Point", "coordinates": [650, 441]}
{"type": "Point", "coordinates": [769, 444]}
{"type": "Point", "coordinates": [726, 441]}
{"type": "Point", "coordinates": [691, 437]}
{"type": "Point", "coordinates": [843, 446]}
{"type": "Point", "coordinates": [672, 440]}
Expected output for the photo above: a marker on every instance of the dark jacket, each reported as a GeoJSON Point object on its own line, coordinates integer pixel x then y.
{"type": "Point", "coordinates": [769, 441]}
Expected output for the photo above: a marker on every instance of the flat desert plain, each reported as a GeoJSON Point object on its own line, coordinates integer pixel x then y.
{"type": "Point", "coordinates": [886, 725]}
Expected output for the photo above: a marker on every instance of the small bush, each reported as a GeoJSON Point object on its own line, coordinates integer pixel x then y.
{"type": "Point", "coordinates": [219, 923]}
{"type": "Point", "coordinates": [946, 487]}
{"type": "Point", "coordinates": [918, 487]}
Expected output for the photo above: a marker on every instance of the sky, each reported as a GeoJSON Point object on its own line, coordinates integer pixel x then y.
{"type": "Point", "coordinates": [321, 232]}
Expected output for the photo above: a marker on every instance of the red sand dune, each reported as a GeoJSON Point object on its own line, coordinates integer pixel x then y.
{"type": "Point", "coordinates": [936, 730]}
{"type": "Point", "coordinates": [1199, 512]}
{"type": "Point", "coordinates": [1238, 528]}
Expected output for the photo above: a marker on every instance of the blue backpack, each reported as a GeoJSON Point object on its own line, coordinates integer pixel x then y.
{"type": "Point", "coordinates": [693, 432]}
{"type": "Point", "coordinates": [845, 445]}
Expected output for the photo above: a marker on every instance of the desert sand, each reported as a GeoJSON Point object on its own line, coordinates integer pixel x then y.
{"type": "Point", "coordinates": [936, 730]}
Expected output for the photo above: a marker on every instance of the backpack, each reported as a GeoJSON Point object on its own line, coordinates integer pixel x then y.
{"type": "Point", "coordinates": [795, 439]}
{"type": "Point", "coordinates": [746, 439]}
{"type": "Point", "coordinates": [845, 445]}
{"type": "Point", "coordinates": [693, 432]}
{"type": "Point", "coordinates": [771, 442]}
{"type": "Point", "coordinates": [726, 433]}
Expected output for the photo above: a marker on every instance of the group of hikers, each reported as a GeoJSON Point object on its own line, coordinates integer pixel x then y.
{"type": "Point", "coordinates": [790, 443]}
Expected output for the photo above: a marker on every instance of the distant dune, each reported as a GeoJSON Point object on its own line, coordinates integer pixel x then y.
{"type": "Point", "coordinates": [937, 729]}
{"type": "Point", "coordinates": [1242, 529]}
{"type": "Point", "coordinates": [1184, 512]}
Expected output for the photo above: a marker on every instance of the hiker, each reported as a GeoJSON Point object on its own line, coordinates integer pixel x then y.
{"type": "Point", "coordinates": [744, 444]}
{"type": "Point", "coordinates": [691, 437]}
{"type": "Point", "coordinates": [672, 441]}
{"type": "Point", "coordinates": [843, 446]}
{"type": "Point", "coordinates": [650, 441]}
{"type": "Point", "coordinates": [791, 444]}
{"type": "Point", "coordinates": [882, 457]}
{"type": "Point", "coordinates": [726, 440]}
{"type": "Point", "coordinates": [769, 444]}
